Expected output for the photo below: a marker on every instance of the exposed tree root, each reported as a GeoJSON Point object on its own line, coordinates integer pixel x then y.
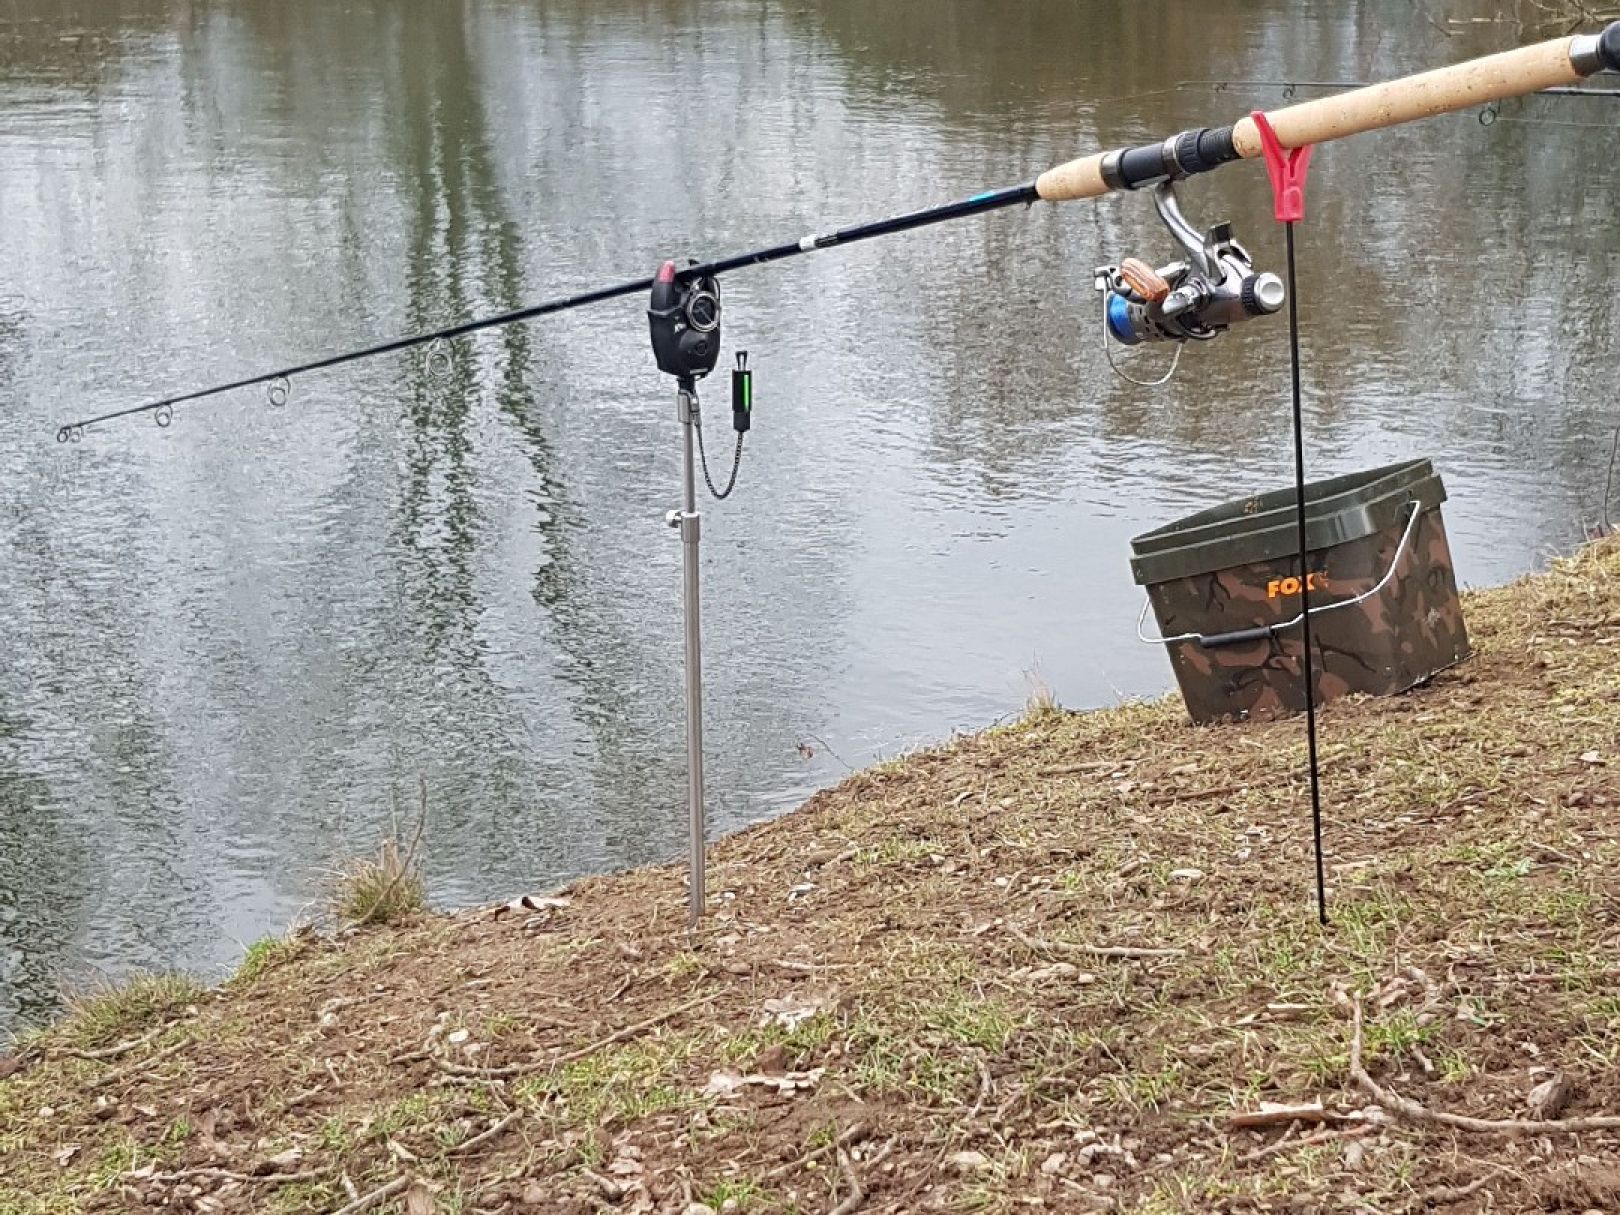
{"type": "Point", "coordinates": [1406, 1108]}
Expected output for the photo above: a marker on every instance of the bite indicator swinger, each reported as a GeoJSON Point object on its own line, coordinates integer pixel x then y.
{"type": "Point", "coordinates": [1556, 63]}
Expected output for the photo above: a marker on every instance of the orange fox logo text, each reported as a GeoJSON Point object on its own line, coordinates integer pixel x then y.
{"type": "Point", "coordinates": [1316, 580]}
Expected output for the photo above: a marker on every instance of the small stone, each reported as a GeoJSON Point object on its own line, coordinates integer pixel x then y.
{"type": "Point", "coordinates": [457, 1037]}
{"type": "Point", "coordinates": [968, 1162]}
{"type": "Point", "coordinates": [1054, 1163]}
{"type": "Point", "coordinates": [701, 1208]}
{"type": "Point", "coordinates": [1102, 1180]}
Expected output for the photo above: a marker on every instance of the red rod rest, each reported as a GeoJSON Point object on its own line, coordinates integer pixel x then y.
{"type": "Point", "coordinates": [1287, 168]}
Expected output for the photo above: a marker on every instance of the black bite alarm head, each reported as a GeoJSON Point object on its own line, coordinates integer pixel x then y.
{"type": "Point", "coordinates": [685, 319]}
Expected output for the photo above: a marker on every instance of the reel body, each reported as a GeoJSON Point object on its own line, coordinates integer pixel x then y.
{"type": "Point", "coordinates": [1195, 299]}
{"type": "Point", "coordinates": [684, 317]}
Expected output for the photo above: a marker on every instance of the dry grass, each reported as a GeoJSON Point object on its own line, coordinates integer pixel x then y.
{"type": "Point", "coordinates": [387, 888]}
{"type": "Point", "coordinates": [109, 1011]}
{"type": "Point", "coordinates": [918, 951]}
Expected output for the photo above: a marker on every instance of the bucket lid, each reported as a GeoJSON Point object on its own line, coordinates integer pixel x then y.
{"type": "Point", "coordinates": [1265, 527]}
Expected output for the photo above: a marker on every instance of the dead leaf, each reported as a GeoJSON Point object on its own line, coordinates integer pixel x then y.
{"type": "Point", "coordinates": [281, 1162]}
{"type": "Point", "coordinates": [1054, 970]}
{"type": "Point", "coordinates": [793, 1010]}
{"type": "Point", "coordinates": [1548, 1099]}
{"type": "Point", "coordinates": [418, 1200]}
{"type": "Point", "coordinates": [724, 1083]}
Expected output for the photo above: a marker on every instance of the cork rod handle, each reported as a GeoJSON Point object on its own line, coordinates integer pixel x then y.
{"type": "Point", "coordinates": [1440, 91]}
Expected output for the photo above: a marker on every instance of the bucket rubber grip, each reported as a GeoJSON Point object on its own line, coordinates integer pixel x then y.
{"type": "Point", "coordinates": [1236, 637]}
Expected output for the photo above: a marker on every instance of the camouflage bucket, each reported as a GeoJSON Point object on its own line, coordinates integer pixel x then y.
{"type": "Point", "coordinates": [1225, 590]}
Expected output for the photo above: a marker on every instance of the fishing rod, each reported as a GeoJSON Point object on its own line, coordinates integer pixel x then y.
{"type": "Point", "coordinates": [1192, 299]}
{"type": "Point", "coordinates": [1554, 64]}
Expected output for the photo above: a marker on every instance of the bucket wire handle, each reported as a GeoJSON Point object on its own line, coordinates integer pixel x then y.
{"type": "Point", "coordinates": [1238, 636]}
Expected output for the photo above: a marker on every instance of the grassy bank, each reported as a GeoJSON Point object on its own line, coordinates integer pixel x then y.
{"type": "Point", "coordinates": [1061, 965]}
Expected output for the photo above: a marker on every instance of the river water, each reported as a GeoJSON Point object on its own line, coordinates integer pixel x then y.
{"type": "Point", "coordinates": [233, 647]}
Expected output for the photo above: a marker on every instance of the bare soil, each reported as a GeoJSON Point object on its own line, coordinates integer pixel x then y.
{"type": "Point", "coordinates": [1067, 965]}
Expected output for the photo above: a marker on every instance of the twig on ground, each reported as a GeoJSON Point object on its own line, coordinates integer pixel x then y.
{"type": "Point", "coordinates": [108, 1052]}
{"type": "Point", "coordinates": [629, 1031]}
{"type": "Point", "coordinates": [229, 1175]}
{"type": "Point", "coordinates": [1406, 1108]}
{"type": "Point", "coordinates": [1038, 945]}
{"type": "Point", "coordinates": [1446, 1194]}
{"type": "Point", "coordinates": [376, 1197]}
{"type": "Point", "coordinates": [986, 1085]}
{"type": "Point", "coordinates": [123, 1073]}
{"type": "Point", "coordinates": [857, 1195]}
{"type": "Point", "coordinates": [1267, 1149]}
{"type": "Point", "coordinates": [1195, 795]}
{"type": "Point", "coordinates": [468, 1071]}
{"type": "Point", "coordinates": [478, 1141]}
{"type": "Point", "coordinates": [1271, 1115]}
{"type": "Point", "coordinates": [853, 1135]}
{"type": "Point", "coordinates": [1320, 1137]}
{"type": "Point", "coordinates": [1104, 765]}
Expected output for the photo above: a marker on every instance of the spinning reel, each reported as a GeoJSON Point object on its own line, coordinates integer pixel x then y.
{"type": "Point", "coordinates": [1191, 300]}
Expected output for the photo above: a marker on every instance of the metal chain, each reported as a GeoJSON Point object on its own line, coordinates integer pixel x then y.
{"type": "Point", "coordinates": [703, 456]}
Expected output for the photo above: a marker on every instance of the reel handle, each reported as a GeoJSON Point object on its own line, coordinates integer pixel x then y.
{"type": "Point", "coordinates": [1144, 280]}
